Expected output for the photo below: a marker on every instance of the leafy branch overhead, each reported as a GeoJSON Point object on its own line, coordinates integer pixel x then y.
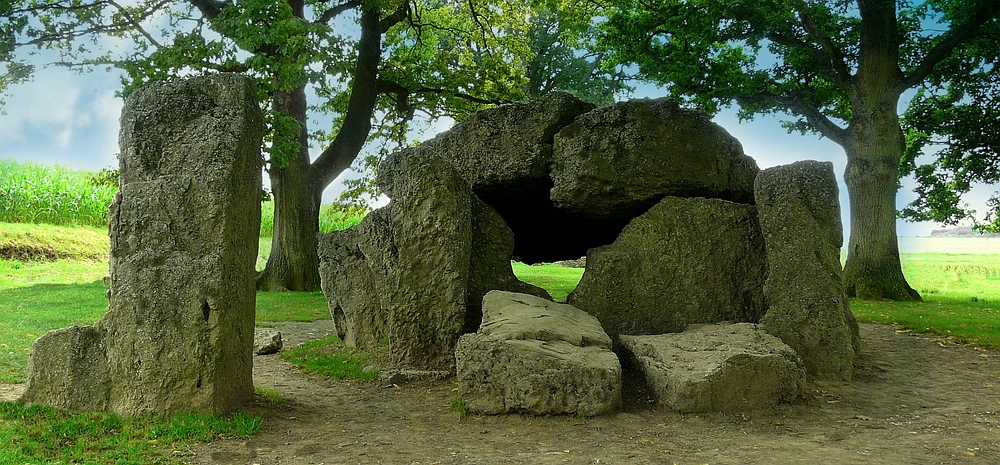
{"type": "Point", "coordinates": [369, 66]}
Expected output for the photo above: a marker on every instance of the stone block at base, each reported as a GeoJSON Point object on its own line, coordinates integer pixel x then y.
{"type": "Point", "coordinates": [721, 368]}
{"type": "Point", "coordinates": [535, 356]}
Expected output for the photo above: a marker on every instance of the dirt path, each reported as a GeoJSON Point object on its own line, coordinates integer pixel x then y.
{"type": "Point", "coordinates": [915, 400]}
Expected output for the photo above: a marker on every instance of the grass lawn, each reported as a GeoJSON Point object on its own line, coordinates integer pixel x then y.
{"type": "Point", "coordinates": [557, 279]}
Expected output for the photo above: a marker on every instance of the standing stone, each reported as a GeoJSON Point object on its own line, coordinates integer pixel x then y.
{"type": "Point", "coordinates": [412, 273]}
{"type": "Point", "coordinates": [809, 311]}
{"type": "Point", "coordinates": [178, 335]}
{"type": "Point", "coordinates": [536, 356]}
{"type": "Point", "coordinates": [684, 261]}
{"type": "Point", "coordinates": [620, 160]}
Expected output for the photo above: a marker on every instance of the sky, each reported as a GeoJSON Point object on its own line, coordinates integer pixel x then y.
{"type": "Point", "coordinates": [72, 119]}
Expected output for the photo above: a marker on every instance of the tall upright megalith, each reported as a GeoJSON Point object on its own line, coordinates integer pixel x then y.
{"type": "Point", "coordinates": [809, 311]}
{"type": "Point", "coordinates": [178, 335]}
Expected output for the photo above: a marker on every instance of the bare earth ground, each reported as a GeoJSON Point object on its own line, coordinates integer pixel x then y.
{"type": "Point", "coordinates": [916, 399]}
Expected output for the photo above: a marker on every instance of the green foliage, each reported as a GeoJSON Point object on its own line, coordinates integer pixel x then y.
{"type": "Point", "coordinates": [105, 177]}
{"type": "Point", "coordinates": [560, 61]}
{"type": "Point", "coordinates": [46, 435]}
{"type": "Point", "coordinates": [36, 193]}
{"type": "Point", "coordinates": [12, 70]}
{"type": "Point", "coordinates": [457, 405]}
{"type": "Point", "coordinates": [955, 120]}
{"type": "Point", "coordinates": [804, 59]}
{"type": "Point", "coordinates": [329, 357]}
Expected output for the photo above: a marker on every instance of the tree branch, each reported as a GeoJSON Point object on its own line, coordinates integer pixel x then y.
{"type": "Point", "coordinates": [210, 8]}
{"type": "Point", "coordinates": [841, 75]}
{"type": "Point", "coordinates": [58, 6]}
{"type": "Point", "coordinates": [402, 12]}
{"type": "Point", "coordinates": [402, 93]}
{"type": "Point", "coordinates": [113, 27]}
{"type": "Point", "coordinates": [128, 17]}
{"type": "Point", "coordinates": [795, 105]}
{"type": "Point", "coordinates": [956, 35]}
{"type": "Point", "coordinates": [332, 13]}
{"type": "Point", "coordinates": [357, 124]}
{"type": "Point", "coordinates": [829, 72]}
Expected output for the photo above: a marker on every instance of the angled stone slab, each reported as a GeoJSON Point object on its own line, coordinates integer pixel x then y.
{"type": "Point", "coordinates": [684, 261]}
{"type": "Point", "coordinates": [720, 368]}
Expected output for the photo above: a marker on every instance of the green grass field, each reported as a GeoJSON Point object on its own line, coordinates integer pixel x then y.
{"type": "Point", "coordinates": [52, 194]}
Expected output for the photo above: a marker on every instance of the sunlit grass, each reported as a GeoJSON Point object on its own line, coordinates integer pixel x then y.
{"type": "Point", "coordinates": [329, 357]}
{"type": "Point", "coordinates": [43, 435]}
{"type": "Point", "coordinates": [331, 218]}
{"type": "Point", "coordinates": [557, 279]}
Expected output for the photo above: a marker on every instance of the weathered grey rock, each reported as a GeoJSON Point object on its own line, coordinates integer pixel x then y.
{"type": "Point", "coordinates": [532, 355]}
{"type": "Point", "coordinates": [684, 261]}
{"type": "Point", "coordinates": [505, 154]}
{"type": "Point", "coordinates": [178, 335]}
{"type": "Point", "coordinates": [728, 367]}
{"type": "Point", "coordinates": [617, 161]}
{"type": "Point", "coordinates": [68, 369]}
{"type": "Point", "coordinates": [407, 273]}
{"type": "Point", "coordinates": [266, 341]}
{"type": "Point", "coordinates": [809, 311]}
{"type": "Point", "coordinates": [492, 247]}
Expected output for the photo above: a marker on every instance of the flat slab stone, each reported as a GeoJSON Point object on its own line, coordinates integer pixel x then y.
{"type": "Point", "coordinates": [536, 356]}
{"type": "Point", "coordinates": [721, 368]}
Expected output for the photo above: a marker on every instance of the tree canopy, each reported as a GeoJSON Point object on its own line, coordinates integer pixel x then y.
{"type": "Point", "coordinates": [952, 140]}
{"type": "Point", "coordinates": [371, 65]}
{"type": "Point", "coordinates": [838, 69]}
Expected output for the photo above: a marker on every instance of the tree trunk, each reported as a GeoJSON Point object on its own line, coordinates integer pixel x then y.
{"type": "Point", "coordinates": [873, 269]}
{"type": "Point", "coordinates": [874, 145]}
{"type": "Point", "coordinates": [293, 264]}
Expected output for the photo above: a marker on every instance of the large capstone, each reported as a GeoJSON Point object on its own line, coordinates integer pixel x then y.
{"type": "Point", "coordinates": [505, 154]}
{"type": "Point", "coordinates": [729, 367]}
{"type": "Point", "coordinates": [536, 356]}
{"type": "Point", "coordinates": [683, 261]}
{"type": "Point", "coordinates": [809, 311]}
{"type": "Point", "coordinates": [405, 276]}
{"type": "Point", "coordinates": [178, 334]}
{"type": "Point", "coordinates": [618, 161]}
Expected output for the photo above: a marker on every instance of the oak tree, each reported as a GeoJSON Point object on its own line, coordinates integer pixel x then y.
{"type": "Point", "coordinates": [838, 68]}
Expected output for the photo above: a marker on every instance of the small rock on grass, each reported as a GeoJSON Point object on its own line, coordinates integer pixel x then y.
{"type": "Point", "coordinates": [266, 341]}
